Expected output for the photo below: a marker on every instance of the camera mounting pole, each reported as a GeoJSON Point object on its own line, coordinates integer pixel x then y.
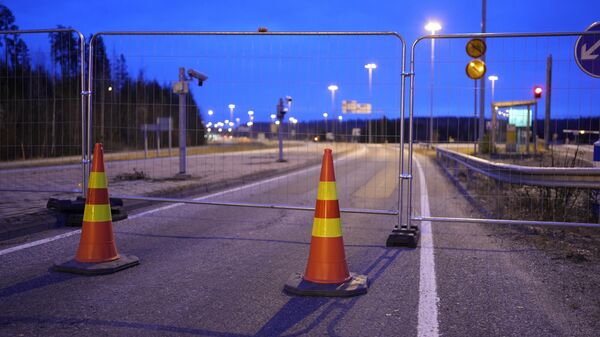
{"type": "Point", "coordinates": [282, 109]}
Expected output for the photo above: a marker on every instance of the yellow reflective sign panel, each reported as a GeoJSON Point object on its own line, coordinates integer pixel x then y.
{"type": "Point", "coordinates": [476, 48]}
{"type": "Point", "coordinates": [475, 69]}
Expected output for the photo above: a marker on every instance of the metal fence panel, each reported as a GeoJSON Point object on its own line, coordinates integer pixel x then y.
{"type": "Point", "coordinates": [502, 163]}
{"type": "Point", "coordinates": [42, 120]}
{"type": "Point", "coordinates": [231, 120]}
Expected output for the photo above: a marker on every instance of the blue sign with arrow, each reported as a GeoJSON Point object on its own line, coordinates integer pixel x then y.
{"type": "Point", "coordinates": [587, 51]}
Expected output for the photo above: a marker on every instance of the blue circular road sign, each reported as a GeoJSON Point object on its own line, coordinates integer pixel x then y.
{"type": "Point", "coordinates": [587, 51]}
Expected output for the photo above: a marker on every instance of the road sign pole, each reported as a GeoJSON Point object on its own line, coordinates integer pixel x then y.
{"type": "Point", "coordinates": [535, 117]}
{"type": "Point", "coordinates": [548, 101]}
{"type": "Point", "coordinates": [482, 81]}
{"type": "Point", "coordinates": [527, 132]}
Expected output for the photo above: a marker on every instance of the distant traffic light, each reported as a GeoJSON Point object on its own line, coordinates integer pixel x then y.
{"type": "Point", "coordinates": [537, 91]}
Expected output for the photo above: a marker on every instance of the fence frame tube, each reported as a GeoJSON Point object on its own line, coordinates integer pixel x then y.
{"type": "Point", "coordinates": [84, 153]}
{"type": "Point", "coordinates": [411, 101]}
{"type": "Point", "coordinates": [401, 176]}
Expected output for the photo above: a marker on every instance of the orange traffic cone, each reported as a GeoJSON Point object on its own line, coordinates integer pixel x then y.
{"type": "Point", "coordinates": [327, 272]}
{"type": "Point", "coordinates": [97, 253]}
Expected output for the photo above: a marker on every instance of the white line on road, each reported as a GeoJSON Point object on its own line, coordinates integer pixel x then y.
{"type": "Point", "coordinates": [163, 208]}
{"type": "Point", "coordinates": [38, 242]}
{"type": "Point", "coordinates": [427, 325]}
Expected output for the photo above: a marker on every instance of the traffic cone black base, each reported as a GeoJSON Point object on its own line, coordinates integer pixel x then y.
{"type": "Point", "coordinates": [84, 268]}
{"type": "Point", "coordinates": [297, 285]}
{"type": "Point", "coordinates": [404, 236]}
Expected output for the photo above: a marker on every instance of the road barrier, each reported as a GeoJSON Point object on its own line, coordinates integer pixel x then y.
{"type": "Point", "coordinates": [579, 177]}
{"type": "Point", "coordinates": [532, 98]}
{"type": "Point", "coordinates": [243, 149]}
{"type": "Point", "coordinates": [136, 116]}
{"type": "Point", "coordinates": [42, 109]}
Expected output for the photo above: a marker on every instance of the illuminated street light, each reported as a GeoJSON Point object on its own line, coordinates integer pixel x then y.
{"type": "Point", "coordinates": [231, 107]}
{"type": "Point", "coordinates": [273, 116]}
{"type": "Point", "coordinates": [493, 78]}
{"type": "Point", "coordinates": [432, 26]}
{"type": "Point", "coordinates": [325, 114]}
{"type": "Point", "coordinates": [109, 88]}
{"type": "Point", "coordinates": [210, 112]}
{"type": "Point", "coordinates": [333, 89]}
{"type": "Point", "coordinates": [340, 118]}
{"type": "Point", "coordinates": [277, 122]}
{"type": "Point", "coordinates": [370, 67]}
{"type": "Point", "coordinates": [249, 124]}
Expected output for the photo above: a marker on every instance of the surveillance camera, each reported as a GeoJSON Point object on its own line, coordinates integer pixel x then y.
{"type": "Point", "coordinates": [197, 75]}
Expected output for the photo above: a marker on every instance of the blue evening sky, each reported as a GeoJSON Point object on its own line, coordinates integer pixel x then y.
{"type": "Point", "coordinates": [254, 72]}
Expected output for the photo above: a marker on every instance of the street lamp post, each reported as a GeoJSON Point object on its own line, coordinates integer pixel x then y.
{"type": "Point", "coordinates": [231, 107]}
{"type": "Point", "coordinates": [432, 27]}
{"type": "Point", "coordinates": [332, 88]}
{"type": "Point", "coordinates": [340, 118]}
{"type": "Point", "coordinates": [493, 79]}
{"type": "Point", "coordinates": [250, 122]}
{"type": "Point", "coordinates": [370, 67]}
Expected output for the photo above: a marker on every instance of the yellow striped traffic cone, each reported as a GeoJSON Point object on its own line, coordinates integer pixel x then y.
{"type": "Point", "coordinates": [327, 272]}
{"type": "Point", "coordinates": [97, 252]}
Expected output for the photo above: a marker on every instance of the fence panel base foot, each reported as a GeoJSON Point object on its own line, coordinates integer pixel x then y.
{"type": "Point", "coordinates": [403, 236]}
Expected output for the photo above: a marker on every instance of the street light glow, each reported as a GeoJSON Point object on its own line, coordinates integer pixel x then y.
{"type": "Point", "coordinates": [249, 123]}
{"type": "Point", "coordinates": [109, 88]}
{"type": "Point", "coordinates": [277, 122]}
{"type": "Point", "coordinates": [493, 78]}
{"type": "Point", "coordinates": [370, 66]}
{"type": "Point", "coordinates": [273, 116]}
{"type": "Point", "coordinates": [325, 114]}
{"type": "Point", "coordinates": [231, 106]}
{"type": "Point", "coordinates": [250, 113]}
{"type": "Point", "coordinates": [340, 118]}
{"type": "Point", "coordinates": [332, 87]}
{"type": "Point", "coordinates": [433, 27]}
{"type": "Point", "coordinates": [210, 112]}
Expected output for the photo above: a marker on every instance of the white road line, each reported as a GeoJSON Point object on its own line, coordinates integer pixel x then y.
{"type": "Point", "coordinates": [163, 208]}
{"type": "Point", "coordinates": [38, 242]}
{"type": "Point", "coordinates": [428, 299]}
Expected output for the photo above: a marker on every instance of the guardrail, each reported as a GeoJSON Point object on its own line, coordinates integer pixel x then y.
{"type": "Point", "coordinates": [584, 177]}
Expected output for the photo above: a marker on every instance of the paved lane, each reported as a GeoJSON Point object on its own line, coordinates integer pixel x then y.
{"type": "Point", "coordinates": [216, 271]}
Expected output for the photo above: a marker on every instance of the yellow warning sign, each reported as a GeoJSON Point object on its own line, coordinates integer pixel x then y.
{"type": "Point", "coordinates": [476, 48]}
{"type": "Point", "coordinates": [475, 69]}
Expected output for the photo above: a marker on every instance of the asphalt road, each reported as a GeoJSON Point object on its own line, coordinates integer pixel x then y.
{"type": "Point", "coordinates": [215, 271]}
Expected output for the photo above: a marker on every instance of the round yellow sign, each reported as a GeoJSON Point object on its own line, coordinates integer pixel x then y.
{"type": "Point", "coordinates": [476, 48]}
{"type": "Point", "coordinates": [475, 69]}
